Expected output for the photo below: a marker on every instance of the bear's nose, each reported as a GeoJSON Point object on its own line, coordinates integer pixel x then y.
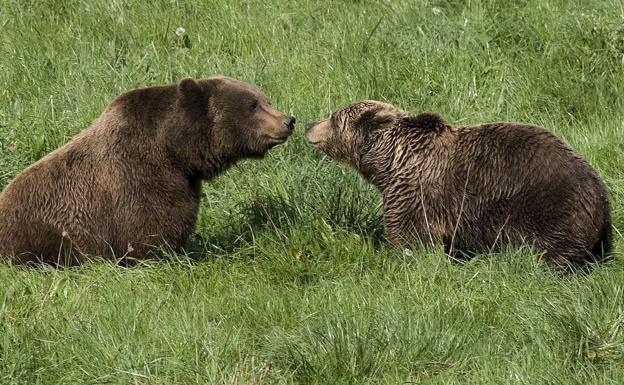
{"type": "Point", "coordinates": [290, 122]}
{"type": "Point", "coordinates": [310, 125]}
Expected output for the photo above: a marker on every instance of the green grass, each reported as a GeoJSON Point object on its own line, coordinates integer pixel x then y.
{"type": "Point", "coordinates": [288, 279]}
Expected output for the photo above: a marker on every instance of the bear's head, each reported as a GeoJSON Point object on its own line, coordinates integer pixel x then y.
{"type": "Point", "coordinates": [219, 120]}
{"type": "Point", "coordinates": [370, 135]}
{"type": "Point", "coordinates": [346, 132]}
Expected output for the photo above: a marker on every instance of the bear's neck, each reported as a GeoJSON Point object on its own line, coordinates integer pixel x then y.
{"type": "Point", "coordinates": [375, 166]}
{"type": "Point", "coordinates": [215, 161]}
{"type": "Point", "coordinates": [397, 158]}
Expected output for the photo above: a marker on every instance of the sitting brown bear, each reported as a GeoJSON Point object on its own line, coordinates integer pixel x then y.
{"type": "Point", "coordinates": [472, 188]}
{"type": "Point", "coordinates": [132, 180]}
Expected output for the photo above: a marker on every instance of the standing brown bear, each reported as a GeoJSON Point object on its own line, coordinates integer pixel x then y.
{"type": "Point", "coordinates": [132, 180]}
{"type": "Point", "coordinates": [473, 188]}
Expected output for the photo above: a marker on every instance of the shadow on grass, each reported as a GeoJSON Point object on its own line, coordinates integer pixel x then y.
{"type": "Point", "coordinates": [276, 216]}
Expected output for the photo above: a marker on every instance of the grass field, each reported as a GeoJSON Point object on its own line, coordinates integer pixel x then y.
{"type": "Point", "coordinates": [287, 279]}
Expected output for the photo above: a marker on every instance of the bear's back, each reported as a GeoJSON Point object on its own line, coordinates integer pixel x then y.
{"type": "Point", "coordinates": [513, 156]}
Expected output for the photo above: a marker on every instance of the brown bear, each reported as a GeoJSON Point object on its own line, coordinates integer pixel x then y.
{"type": "Point", "coordinates": [131, 182]}
{"type": "Point", "coordinates": [472, 188]}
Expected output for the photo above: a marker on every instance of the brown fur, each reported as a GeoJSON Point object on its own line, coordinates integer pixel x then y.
{"type": "Point", "coordinates": [473, 188]}
{"type": "Point", "coordinates": [132, 180]}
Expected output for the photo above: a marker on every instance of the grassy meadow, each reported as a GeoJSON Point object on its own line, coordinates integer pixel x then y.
{"type": "Point", "coordinates": [287, 279]}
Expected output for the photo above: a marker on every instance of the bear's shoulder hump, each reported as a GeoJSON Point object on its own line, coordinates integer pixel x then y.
{"type": "Point", "coordinates": [426, 121]}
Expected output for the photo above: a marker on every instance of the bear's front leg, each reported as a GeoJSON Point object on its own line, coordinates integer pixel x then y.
{"type": "Point", "coordinates": [403, 230]}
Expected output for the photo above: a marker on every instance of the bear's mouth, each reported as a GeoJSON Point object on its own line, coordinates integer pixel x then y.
{"type": "Point", "coordinates": [275, 140]}
{"type": "Point", "coordinates": [315, 143]}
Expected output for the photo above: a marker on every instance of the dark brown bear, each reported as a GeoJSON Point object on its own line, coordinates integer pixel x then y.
{"type": "Point", "coordinates": [473, 188]}
{"type": "Point", "coordinates": [132, 180]}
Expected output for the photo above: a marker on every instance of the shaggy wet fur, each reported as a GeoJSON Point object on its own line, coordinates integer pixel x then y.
{"type": "Point", "coordinates": [473, 188]}
{"type": "Point", "coordinates": [131, 182]}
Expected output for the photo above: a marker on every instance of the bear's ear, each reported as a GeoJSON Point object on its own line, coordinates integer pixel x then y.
{"type": "Point", "coordinates": [428, 121]}
{"type": "Point", "coordinates": [371, 120]}
{"type": "Point", "coordinates": [190, 92]}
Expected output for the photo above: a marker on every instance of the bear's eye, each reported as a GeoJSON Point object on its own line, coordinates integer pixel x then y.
{"type": "Point", "coordinates": [254, 105]}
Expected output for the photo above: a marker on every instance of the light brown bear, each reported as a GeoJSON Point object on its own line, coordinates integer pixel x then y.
{"type": "Point", "coordinates": [131, 182]}
{"type": "Point", "coordinates": [473, 188]}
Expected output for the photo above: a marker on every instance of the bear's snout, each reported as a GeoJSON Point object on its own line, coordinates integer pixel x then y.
{"type": "Point", "coordinates": [318, 132]}
{"type": "Point", "coordinates": [289, 122]}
